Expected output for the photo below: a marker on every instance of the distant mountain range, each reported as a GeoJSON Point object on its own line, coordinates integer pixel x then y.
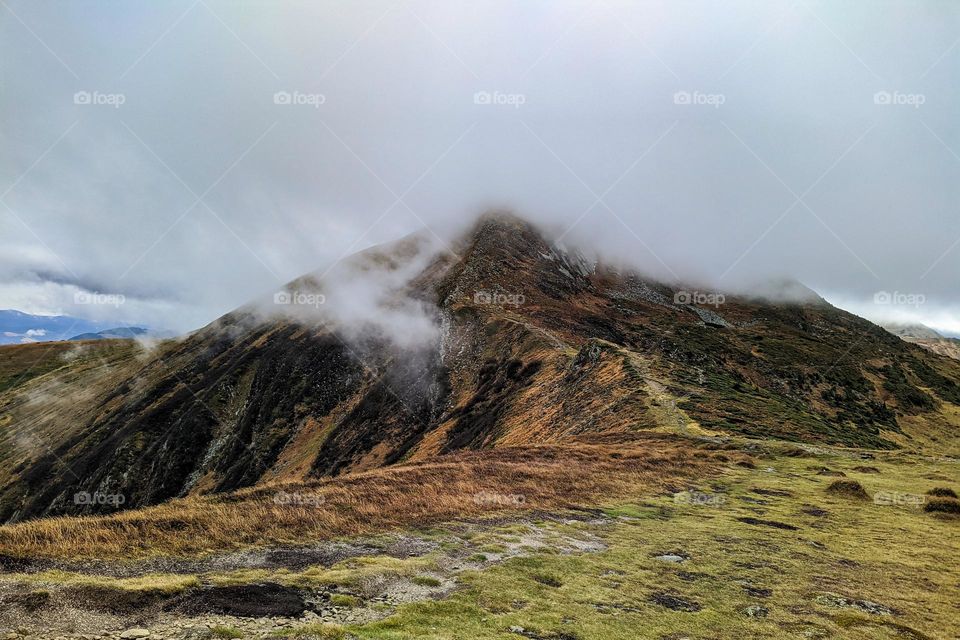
{"type": "Point", "coordinates": [927, 338]}
{"type": "Point", "coordinates": [17, 327]}
{"type": "Point", "coordinates": [113, 334]}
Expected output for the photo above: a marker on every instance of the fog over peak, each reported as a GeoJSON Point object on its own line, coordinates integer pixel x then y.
{"type": "Point", "coordinates": [191, 156]}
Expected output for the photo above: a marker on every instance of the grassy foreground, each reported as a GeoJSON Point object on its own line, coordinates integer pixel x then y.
{"type": "Point", "coordinates": [878, 568]}
{"type": "Point", "coordinates": [762, 552]}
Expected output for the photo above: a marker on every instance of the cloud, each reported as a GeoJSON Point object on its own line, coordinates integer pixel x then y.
{"type": "Point", "coordinates": [367, 295]}
{"type": "Point", "coordinates": [736, 144]}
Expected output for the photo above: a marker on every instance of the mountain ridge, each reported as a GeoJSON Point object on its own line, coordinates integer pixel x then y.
{"type": "Point", "coordinates": [531, 343]}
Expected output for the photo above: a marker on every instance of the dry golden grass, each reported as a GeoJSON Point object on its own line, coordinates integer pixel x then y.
{"type": "Point", "coordinates": [442, 489]}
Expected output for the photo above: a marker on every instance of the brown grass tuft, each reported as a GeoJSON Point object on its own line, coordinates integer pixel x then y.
{"type": "Point", "coordinates": [942, 505]}
{"type": "Point", "coordinates": [848, 489]}
{"type": "Point", "coordinates": [464, 484]}
{"type": "Point", "coordinates": [863, 469]}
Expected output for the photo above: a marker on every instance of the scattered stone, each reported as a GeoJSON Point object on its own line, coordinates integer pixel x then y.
{"type": "Point", "coordinates": [756, 611]}
{"type": "Point", "coordinates": [135, 633]}
{"type": "Point", "coordinates": [670, 557]}
{"type": "Point", "coordinates": [839, 601]}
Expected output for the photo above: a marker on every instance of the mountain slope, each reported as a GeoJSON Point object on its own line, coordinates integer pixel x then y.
{"type": "Point", "coordinates": [533, 345]}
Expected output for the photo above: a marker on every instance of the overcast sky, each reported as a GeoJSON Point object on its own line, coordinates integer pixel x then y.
{"type": "Point", "coordinates": [191, 155]}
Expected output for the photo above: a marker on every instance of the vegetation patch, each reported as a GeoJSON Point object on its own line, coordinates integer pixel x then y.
{"type": "Point", "coordinates": [426, 581]}
{"type": "Point", "coordinates": [768, 523]}
{"type": "Point", "coordinates": [866, 469]}
{"type": "Point", "coordinates": [675, 602]}
{"type": "Point", "coordinates": [848, 489]}
{"type": "Point", "coordinates": [344, 600]}
{"type": "Point", "coordinates": [942, 505]}
{"type": "Point", "coordinates": [320, 631]}
{"type": "Point", "coordinates": [548, 579]}
{"type": "Point", "coordinates": [547, 476]}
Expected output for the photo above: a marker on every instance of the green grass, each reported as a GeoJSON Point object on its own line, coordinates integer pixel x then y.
{"type": "Point", "coordinates": [893, 554]}
{"type": "Point", "coordinates": [314, 632]}
{"type": "Point", "coordinates": [426, 581]}
{"type": "Point", "coordinates": [344, 600]}
{"type": "Point", "coordinates": [226, 632]}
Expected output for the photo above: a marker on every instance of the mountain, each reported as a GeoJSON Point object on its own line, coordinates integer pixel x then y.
{"type": "Point", "coordinates": [113, 334]}
{"type": "Point", "coordinates": [927, 338]}
{"type": "Point", "coordinates": [403, 352]}
{"type": "Point", "coordinates": [17, 327]}
{"type": "Point", "coordinates": [917, 331]}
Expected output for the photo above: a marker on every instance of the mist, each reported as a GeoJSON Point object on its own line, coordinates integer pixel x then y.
{"type": "Point", "coordinates": [206, 153]}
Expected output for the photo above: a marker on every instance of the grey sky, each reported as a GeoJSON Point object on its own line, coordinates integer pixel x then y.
{"type": "Point", "coordinates": [200, 191]}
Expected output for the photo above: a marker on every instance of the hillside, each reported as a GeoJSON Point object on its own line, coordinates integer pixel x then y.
{"type": "Point", "coordinates": [534, 345]}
